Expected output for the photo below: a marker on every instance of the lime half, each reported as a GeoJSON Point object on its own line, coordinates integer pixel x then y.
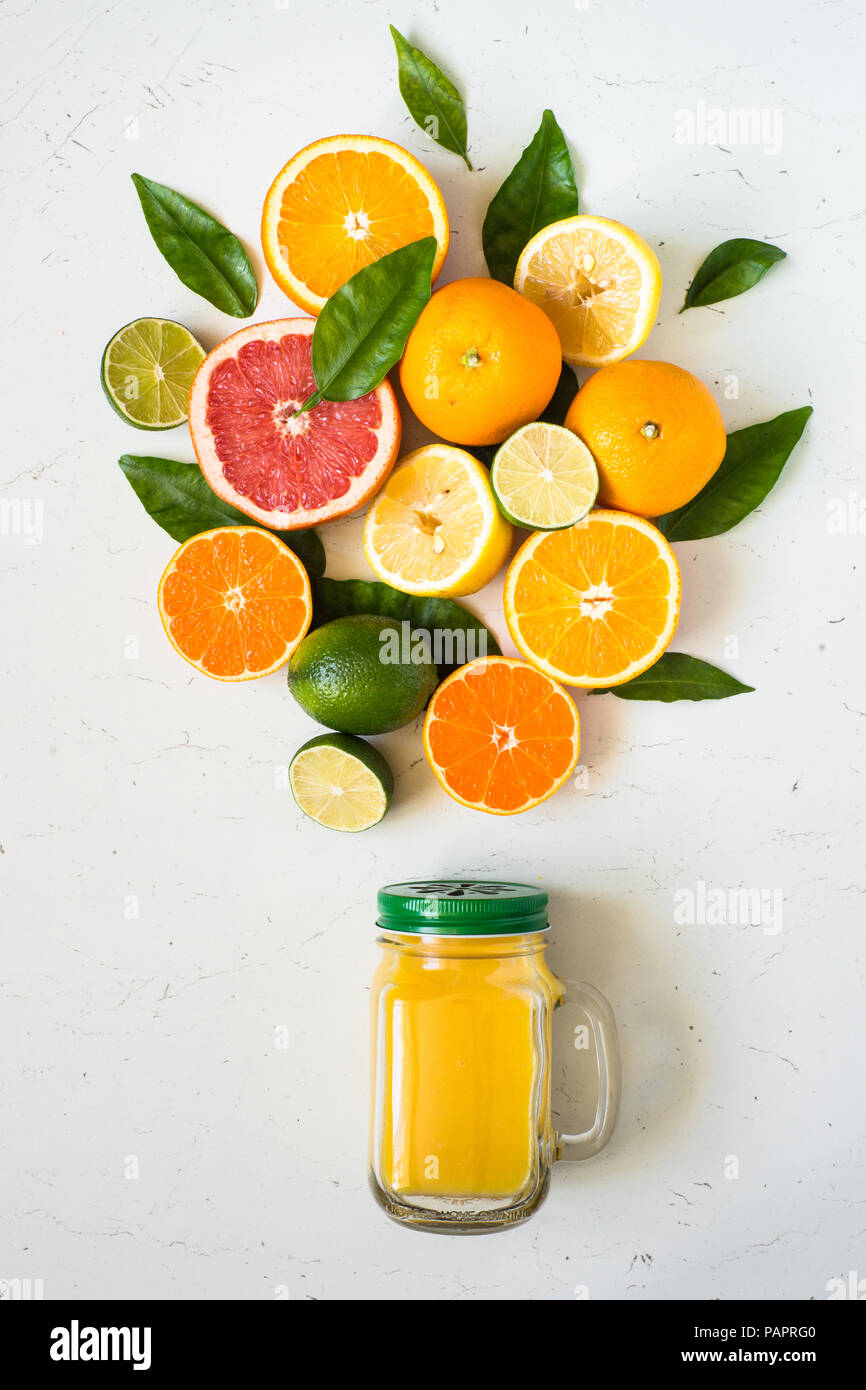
{"type": "Point", "coordinates": [544, 478]}
{"type": "Point", "coordinates": [341, 782]}
{"type": "Point", "coordinates": [147, 372]}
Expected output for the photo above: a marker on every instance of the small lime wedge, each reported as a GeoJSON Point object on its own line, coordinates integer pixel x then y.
{"type": "Point", "coordinates": [147, 371]}
{"type": "Point", "coordinates": [544, 478]}
{"type": "Point", "coordinates": [341, 782]}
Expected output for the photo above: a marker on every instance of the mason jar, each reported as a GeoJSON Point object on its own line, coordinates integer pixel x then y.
{"type": "Point", "coordinates": [461, 1137]}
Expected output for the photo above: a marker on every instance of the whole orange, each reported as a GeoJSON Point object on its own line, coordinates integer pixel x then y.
{"type": "Point", "coordinates": [480, 362]}
{"type": "Point", "coordinates": [655, 431]}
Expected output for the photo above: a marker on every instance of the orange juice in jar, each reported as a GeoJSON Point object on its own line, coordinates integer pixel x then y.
{"type": "Point", "coordinates": [461, 1132]}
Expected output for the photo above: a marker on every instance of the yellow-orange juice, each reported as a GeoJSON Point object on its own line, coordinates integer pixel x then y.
{"type": "Point", "coordinates": [461, 1033]}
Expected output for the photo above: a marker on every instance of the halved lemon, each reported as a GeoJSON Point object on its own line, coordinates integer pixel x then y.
{"type": "Point", "coordinates": [340, 204]}
{"type": "Point", "coordinates": [597, 281]}
{"type": "Point", "coordinates": [341, 782]}
{"type": "Point", "coordinates": [435, 527]}
{"type": "Point", "coordinates": [541, 480]}
{"type": "Point", "coordinates": [596, 604]}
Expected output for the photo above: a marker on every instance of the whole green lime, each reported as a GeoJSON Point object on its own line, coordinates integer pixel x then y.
{"type": "Point", "coordinates": [362, 675]}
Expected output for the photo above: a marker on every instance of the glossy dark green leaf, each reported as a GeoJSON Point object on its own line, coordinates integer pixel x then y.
{"type": "Point", "coordinates": [555, 411]}
{"type": "Point", "coordinates": [462, 636]}
{"type": "Point", "coordinates": [433, 100]}
{"type": "Point", "coordinates": [540, 189]}
{"type": "Point", "coordinates": [753, 460]}
{"type": "Point", "coordinates": [731, 268]}
{"type": "Point", "coordinates": [179, 499]}
{"type": "Point", "coordinates": [362, 330]}
{"type": "Point", "coordinates": [204, 254]}
{"type": "Point", "coordinates": [676, 676]}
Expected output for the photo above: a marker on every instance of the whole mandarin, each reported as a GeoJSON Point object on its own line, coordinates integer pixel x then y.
{"type": "Point", "coordinates": [655, 432]}
{"type": "Point", "coordinates": [480, 362]}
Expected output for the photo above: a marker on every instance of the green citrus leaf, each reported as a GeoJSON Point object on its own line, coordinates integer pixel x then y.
{"type": "Point", "coordinates": [433, 101]}
{"type": "Point", "coordinates": [179, 499]}
{"type": "Point", "coordinates": [362, 329]}
{"type": "Point", "coordinates": [540, 189]}
{"type": "Point", "coordinates": [676, 676]}
{"type": "Point", "coordinates": [729, 270]}
{"type": "Point", "coordinates": [461, 636]}
{"type": "Point", "coordinates": [753, 460]}
{"type": "Point", "coordinates": [204, 254]}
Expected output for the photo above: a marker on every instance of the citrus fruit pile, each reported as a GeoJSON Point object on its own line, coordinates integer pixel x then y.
{"type": "Point", "coordinates": [591, 595]}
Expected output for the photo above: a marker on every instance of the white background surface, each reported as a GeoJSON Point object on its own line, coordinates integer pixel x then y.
{"type": "Point", "coordinates": [139, 779]}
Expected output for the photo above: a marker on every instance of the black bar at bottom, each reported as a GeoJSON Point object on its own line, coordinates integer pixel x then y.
{"type": "Point", "coordinates": [157, 1339]}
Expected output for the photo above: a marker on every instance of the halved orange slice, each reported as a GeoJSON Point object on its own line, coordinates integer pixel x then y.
{"type": "Point", "coordinates": [340, 204]}
{"type": "Point", "coordinates": [235, 602]}
{"type": "Point", "coordinates": [501, 736]}
{"type": "Point", "coordinates": [597, 603]}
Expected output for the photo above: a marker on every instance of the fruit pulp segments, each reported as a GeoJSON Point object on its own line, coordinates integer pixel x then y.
{"type": "Point", "coordinates": [276, 461]}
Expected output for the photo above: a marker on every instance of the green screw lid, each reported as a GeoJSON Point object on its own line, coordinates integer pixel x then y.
{"type": "Point", "coordinates": [462, 907]}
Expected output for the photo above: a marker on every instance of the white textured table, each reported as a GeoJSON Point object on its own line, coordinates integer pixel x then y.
{"type": "Point", "coordinates": [165, 907]}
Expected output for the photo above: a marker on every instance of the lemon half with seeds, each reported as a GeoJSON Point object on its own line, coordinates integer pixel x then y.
{"type": "Point", "coordinates": [599, 284]}
{"type": "Point", "coordinates": [435, 528]}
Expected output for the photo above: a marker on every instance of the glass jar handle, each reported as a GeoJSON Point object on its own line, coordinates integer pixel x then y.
{"type": "Point", "coordinates": [603, 1026]}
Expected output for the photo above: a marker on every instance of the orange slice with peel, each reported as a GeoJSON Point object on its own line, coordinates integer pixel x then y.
{"type": "Point", "coordinates": [501, 736]}
{"type": "Point", "coordinates": [340, 204]}
{"type": "Point", "coordinates": [597, 603]}
{"type": "Point", "coordinates": [235, 602]}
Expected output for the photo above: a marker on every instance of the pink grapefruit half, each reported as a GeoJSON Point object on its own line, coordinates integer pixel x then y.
{"type": "Point", "coordinates": [286, 473]}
